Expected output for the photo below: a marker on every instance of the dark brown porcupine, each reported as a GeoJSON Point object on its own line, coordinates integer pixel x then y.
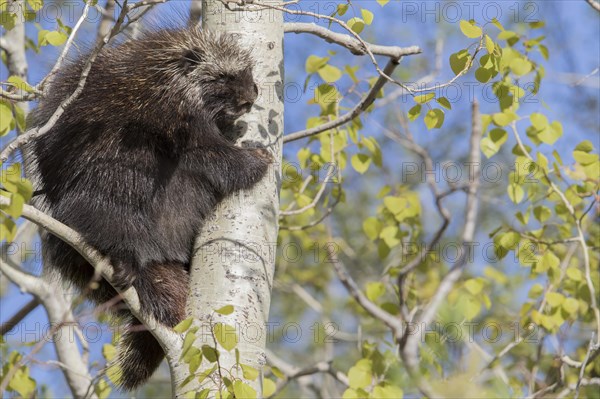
{"type": "Point", "coordinates": [138, 162]}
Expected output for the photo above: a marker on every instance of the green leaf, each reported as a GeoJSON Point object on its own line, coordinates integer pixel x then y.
{"type": "Point", "coordinates": [469, 29]}
{"type": "Point", "coordinates": [574, 274]}
{"type": "Point", "coordinates": [515, 193]}
{"type": "Point", "coordinates": [551, 133]}
{"type": "Point", "coordinates": [330, 73]}
{"type": "Point", "coordinates": [6, 117]}
{"type": "Point", "coordinates": [188, 341]}
{"type": "Point", "coordinates": [56, 38]}
{"type": "Point", "coordinates": [390, 236]}
{"type": "Point", "coordinates": [374, 290]}
{"type": "Point", "coordinates": [544, 51]}
{"type": "Point", "coordinates": [225, 335]}
{"type": "Point", "coordinates": [210, 353]}
{"type": "Point", "coordinates": [360, 162]}
{"type": "Point", "coordinates": [585, 146]}
{"type": "Point", "coordinates": [35, 5]}
{"type": "Point", "coordinates": [314, 63]}
{"type": "Point", "coordinates": [549, 261]}
{"type": "Point", "coordinates": [269, 387]}
{"type": "Point", "coordinates": [342, 8]}
{"type": "Point", "coordinates": [423, 98]}
{"type": "Point", "coordinates": [243, 390]}
{"type": "Point", "coordinates": [503, 118]}
{"type": "Point", "coordinates": [249, 372]}
{"type": "Point", "coordinates": [554, 299]}
{"type": "Point", "coordinates": [360, 375]}
{"type": "Point", "coordinates": [372, 227]}
{"type": "Point", "coordinates": [356, 24]}
{"type": "Point", "coordinates": [542, 213]}
{"type": "Point", "coordinates": [367, 16]}
{"type": "Point", "coordinates": [434, 119]}
{"type": "Point", "coordinates": [520, 66]}
{"type": "Point", "coordinates": [509, 240]}
{"type": "Point", "coordinates": [443, 101]}
{"type": "Point", "coordinates": [22, 383]}
{"type": "Point", "coordinates": [184, 325]}
{"type": "Point", "coordinates": [507, 35]}
{"type": "Point", "coordinates": [225, 310]}
{"type": "Point", "coordinates": [474, 286]}
{"type": "Point", "coordinates": [414, 112]}
{"type": "Point", "coordinates": [483, 75]}
{"type": "Point", "coordinates": [387, 392]}
{"type": "Point", "coordinates": [535, 291]}
{"type": "Point", "coordinates": [539, 121]}
{"type": "Point", "coordinates": [570, 305]}
{"type": "Point", "coordinates": [21, 84]}
{"type": "Point", "coordinates": [459, 61]}
{"type": "Point", "coordinates": [585, 158]}
{"type": "Point", "coordinates": [489, 44]}
{"type": "Point", "coordinates": [102, 389]}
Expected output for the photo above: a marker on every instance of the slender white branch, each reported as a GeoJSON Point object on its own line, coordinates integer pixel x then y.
{"type": "Point", "coordinates": [349, 42]}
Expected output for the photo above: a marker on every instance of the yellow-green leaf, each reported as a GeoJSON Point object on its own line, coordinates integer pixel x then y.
{"type": "Point", "coordinates": [243, 390]}
{"type": "Point", "coordinates": [360, 375]}
{"type": "Point", "coordinates": [249, 372]}
{"type": "Point", "coordinates": [423, 98]}
{"type": "Point", "coordinates": [434, 119]}
{"type": "Point", "coordinates": [414, 112]}
{"type": "Point", "coordinates": [469, 29]}
{"type": "Point", "coordinates": [269, 387]}
{"type": "Point", "coordinates": [360, 162]}
{"type": "Point", "coordinates": [225, 335]}
{"type": "Point", "coordinates": [330, 73]}
{"type": "Point", "coordinates": [374, 290]}
{"type": "Point", "coordinates": [56, 38]}
{"type": "Point", "coordinates": [356, 24]}
{"type": "Point", "coordinates": [367, 16]}
{"type": "Point", "coordinates": [183, 326]}
{"type": "Point", "coordinates": [314, 63]}
{"type": "Point", "coordinates": [225, 310]}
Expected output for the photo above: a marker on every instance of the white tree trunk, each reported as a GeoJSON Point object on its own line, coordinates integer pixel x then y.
{"type": "Point", "coordinates": [234, 257]}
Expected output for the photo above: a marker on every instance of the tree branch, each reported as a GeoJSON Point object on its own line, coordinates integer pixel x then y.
{"type": "Point", "coordinates": [410, 349]}
{"type": "Point", "coordinates": [20, 315]}
{"type": "Point", "coordinates": [358, 109]}
{"type": "Point", "coordinates": [349, 42]}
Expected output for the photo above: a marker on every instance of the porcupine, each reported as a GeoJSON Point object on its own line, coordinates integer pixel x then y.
{"type": "Point", "coordinates": [138, 162]}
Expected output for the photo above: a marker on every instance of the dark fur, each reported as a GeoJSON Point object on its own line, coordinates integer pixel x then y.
{"type": "Point", "coordinates": [139, 161]}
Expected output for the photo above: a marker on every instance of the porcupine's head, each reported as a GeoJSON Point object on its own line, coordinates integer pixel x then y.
{"type": "Point", "coordinates": [211, 71]}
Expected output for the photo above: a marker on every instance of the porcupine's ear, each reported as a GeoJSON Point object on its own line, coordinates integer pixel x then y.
{"type": "Point", "coordinates": [190, 59]}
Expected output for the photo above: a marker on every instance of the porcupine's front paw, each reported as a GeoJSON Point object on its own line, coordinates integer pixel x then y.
{"type": "Point", "coordinates": [259, 151]}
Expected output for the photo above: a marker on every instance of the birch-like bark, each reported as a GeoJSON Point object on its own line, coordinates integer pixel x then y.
{"type": "Point", "coordinates": [234, 257]}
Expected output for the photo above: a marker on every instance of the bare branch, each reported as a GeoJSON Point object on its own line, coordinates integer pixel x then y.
{"type": "Point", "coordinates": [349, 42]}
{"type": "Point", "coordinates": [20, 315]}
{"type": "Point", "coordinates": [410, 349]}
{"type": "Point", "coordinates": [377, 312]}
{"type": "Point", "coordinates": [358, 109]}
